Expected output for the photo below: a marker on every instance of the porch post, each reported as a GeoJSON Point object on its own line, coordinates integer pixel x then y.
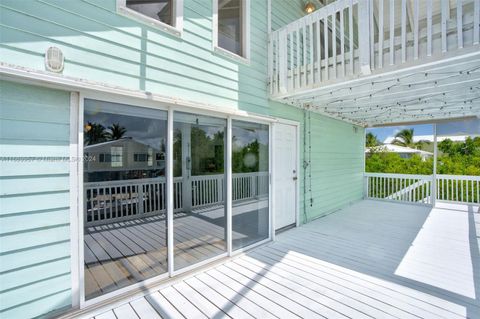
{"type": "Point", "coordinates": [434, 181]}
{"type": "Point", "coordinates": [186, 167]}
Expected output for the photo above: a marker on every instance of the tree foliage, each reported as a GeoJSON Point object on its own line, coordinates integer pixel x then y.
{"type": "Point", "coordinates": [456, 158]}
{"type": "Point", "coordinates": [404, 138]}
{"type": "Point", "coordinates": [371, 140]}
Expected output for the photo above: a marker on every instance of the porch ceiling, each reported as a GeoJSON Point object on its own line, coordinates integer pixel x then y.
{"type": "Point", "coordinates": [439, 90]}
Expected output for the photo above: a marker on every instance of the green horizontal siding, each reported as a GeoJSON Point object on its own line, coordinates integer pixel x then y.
{"type": "Point", "coordinates": [103, 46]}
{"type": "Point", "coordinates": [34, 201]}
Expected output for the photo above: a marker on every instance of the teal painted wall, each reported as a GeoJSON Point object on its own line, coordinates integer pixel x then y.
{"type": "Point", "coordinates": [34, 201]}
{"type": "Point", "coordinates": [101, 45]}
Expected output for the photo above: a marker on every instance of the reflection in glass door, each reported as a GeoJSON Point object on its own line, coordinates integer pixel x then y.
{"type": "Point", "coordinates": [250, 183]}
{"type": "Point", "coordinates": [124, 196]}
{"type": "Point", "coordinates": [199, 188]}
{"type": "Point", "coordinates": [125, 192]}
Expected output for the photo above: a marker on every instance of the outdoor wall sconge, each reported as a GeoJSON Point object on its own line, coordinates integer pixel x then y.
{"type": "Point", "coordinates": [309, 7]}
{"type": "Point", "coordinates": [54, 60]}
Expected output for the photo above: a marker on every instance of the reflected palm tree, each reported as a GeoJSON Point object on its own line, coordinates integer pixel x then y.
{"type": "Point", "coordinates": [116, 131]}
{"type": "Point", "coordinates": [95, 133]}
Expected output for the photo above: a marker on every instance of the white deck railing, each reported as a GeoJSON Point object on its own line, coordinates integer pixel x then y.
{"type": "Point", "coordinates": [399, 187]}
{"type": "Point", "coordinates": [458, 188]}
{"type": "Point", "coordinates": [114, 201]}
{"type": "Point", "coordinates": [419, 188]}
{"type": "Point", "coordinates": [350, 37]}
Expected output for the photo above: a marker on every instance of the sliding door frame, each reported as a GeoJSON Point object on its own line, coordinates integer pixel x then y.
{"type": "Point", "coordinates": [78, 201]}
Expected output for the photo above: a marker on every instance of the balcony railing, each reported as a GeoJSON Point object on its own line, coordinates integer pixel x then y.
{"type": "Point", "coordinates": [419, 188]}
{"type": "Point", "coordinates": [350, 38]}
{"type": "Point", "coordinates": [114, 201]}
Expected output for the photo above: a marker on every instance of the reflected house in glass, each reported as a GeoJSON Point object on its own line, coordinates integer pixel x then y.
{"type": "Point", "coordinates": [108, 156]}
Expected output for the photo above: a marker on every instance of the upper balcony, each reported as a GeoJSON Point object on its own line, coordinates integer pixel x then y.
{"type": "Point", "coordinates": [355, 60]}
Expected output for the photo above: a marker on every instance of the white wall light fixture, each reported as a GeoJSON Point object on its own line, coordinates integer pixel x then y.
{"type": "Point", "coordinates": [54, 60]}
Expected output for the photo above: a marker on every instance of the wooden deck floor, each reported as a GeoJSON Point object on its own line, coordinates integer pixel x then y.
{"type": "Point", "coordinates": [369, 260]}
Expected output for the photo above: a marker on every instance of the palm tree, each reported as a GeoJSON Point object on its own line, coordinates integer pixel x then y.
{"type": "Point", "coordinates": [371, 140]}
{"type": "Point", "coordinates": [95, 133]}
{"type": "Point", "coordinates": [116, 131]}
{"type": "Point", "coordinates": [404, 138]}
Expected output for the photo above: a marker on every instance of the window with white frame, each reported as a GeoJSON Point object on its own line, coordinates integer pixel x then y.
{"type": "Point", "coordinates": [231, 26]}
{"type": "Point", "coordinates": [167, 14]}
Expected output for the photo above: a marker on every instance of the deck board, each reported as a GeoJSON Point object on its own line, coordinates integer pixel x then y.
{"type": "Point", "coordinates": [369, 260]}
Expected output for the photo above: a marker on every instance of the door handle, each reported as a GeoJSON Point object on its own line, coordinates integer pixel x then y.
{"type": "Point", "coordinates": [295, 178]}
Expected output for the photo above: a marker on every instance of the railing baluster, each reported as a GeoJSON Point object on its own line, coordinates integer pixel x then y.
{"type": "Point", "coordinates": [380, 33]}
{"type": "Point", "coordinates": [392, 32]}
{"type": "Point", "coordinates": [334, 44]}
{"type": "Point", "coordinates": [342, 40]}
{"type": "Point", "coordinates": [478, 191]}
{"type": "Point", "coordinates": [372, 34]}
{"type": "Point", "coordinates": [304, 47]}
{"type": "Point", "coordinates": [476, 24]}
{"type": "Point", "coordinates": [299, 64]}
{"type": "Point", "coordinates": [460, 23]}
{"type": "Point", "coordinates": [404, 31]}
{"type": "Point", "coordinates": [312, 65]}
{"type": "Point", "coordinates": [461, 192]}
{"type": "Point", "coordinates": [415, 29]}
{"type": "Point", "coordinates": [383, 184]}
{"type": "Point", "coordinates": [319, 51]}
{"type": "Point", "coordinates": [429, 27]}
{"type": "Point", "coordinates": [467, 189]}
{"type": "Point", "coordinates": [291, 81]}
{"type": "Point", "coordinates": [351, 35]}
{"type": "Point", "coordinates": [448, 190]}
{"type": "Point", "coordinates": [283, 70]}
{"type": "Point", "coordinates": [325, 37]}
{"type": "Point", "coordinates": [445, 16]}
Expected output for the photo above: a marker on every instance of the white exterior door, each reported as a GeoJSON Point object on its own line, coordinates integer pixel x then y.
{"type": "Point", "coordinates": [285, 174]}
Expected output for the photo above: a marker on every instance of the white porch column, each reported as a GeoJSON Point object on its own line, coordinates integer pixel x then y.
{"type": "Point", "coordinates": [434, 181]}
{"type": "Point", "coordinates": [186, 167]}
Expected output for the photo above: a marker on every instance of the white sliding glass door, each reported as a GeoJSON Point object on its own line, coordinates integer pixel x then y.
{"type": "Point", "coordinates": [124, 196]}
{"type": "Point", "coordinates": [250, 183]}
{"type": "Point", "coordinates": [199, 222]}
{"type": "Point", "coordinates": [127, 213]}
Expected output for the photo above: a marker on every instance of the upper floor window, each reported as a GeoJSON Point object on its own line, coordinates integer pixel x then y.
{"type": "Point", "coordinates": [166, 14]}
{"type": "Point", "coordinates": [231, 26]}
{"type": "Point", "coordinates": [156, 9]}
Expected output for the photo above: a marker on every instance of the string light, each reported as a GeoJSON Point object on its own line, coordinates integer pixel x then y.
{"type": "Point", "coordinates": [365, 115]}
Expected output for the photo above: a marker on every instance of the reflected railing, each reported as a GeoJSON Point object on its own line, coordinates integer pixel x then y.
{"type": "Point", "coordinates": [121, 200]}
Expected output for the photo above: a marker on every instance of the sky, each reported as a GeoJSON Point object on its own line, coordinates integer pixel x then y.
{"type": "Point", "coordinates": [383, 132]}
{"type": "Point", "coordinates": [467, 127]}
